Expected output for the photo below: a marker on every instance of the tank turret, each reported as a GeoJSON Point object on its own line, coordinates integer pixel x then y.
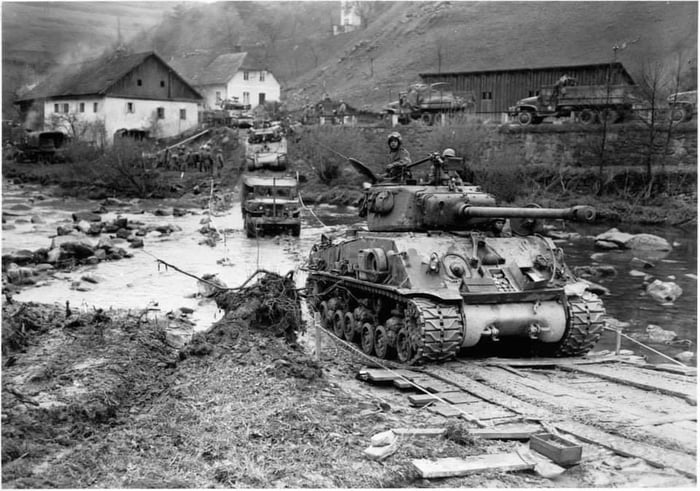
{"type": "Point", "coordinates": [442, 268]}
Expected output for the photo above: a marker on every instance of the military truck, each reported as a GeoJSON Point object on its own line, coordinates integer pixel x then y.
{"type": "Point", "coordinates": [683, 105]}
{"type": "Point", "coordinates": [266, 148]}
{"type": "Point", "coordinates": [41, 146]}
{"type": "Point", "coordinates": [270, 205]}
{"type": "Point", "coordinates": [590, 103]}
{"type": "Point", "coordinates": [425, 103]}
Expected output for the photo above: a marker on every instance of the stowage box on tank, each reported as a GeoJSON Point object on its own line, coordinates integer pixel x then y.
{"type": "Point", "coordinates": [441, 268]}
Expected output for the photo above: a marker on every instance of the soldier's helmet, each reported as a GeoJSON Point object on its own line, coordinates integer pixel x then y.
{"type": "Point", "coordinates": [394, 135]}
{"type": "Point", "coordinates": [448, 153]}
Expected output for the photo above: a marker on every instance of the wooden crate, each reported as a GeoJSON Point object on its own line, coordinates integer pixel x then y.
{"type": "Point", "coordinates": [558, 449]}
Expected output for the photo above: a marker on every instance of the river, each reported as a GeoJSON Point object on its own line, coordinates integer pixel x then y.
{"type": "Point", "coordinates": [140, 282]}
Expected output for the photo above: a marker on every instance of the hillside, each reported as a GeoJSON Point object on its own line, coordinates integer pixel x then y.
{"type": "Point", "coordinates": [367, 67]}
{"type": "Point", "coordinates": [370, 66]}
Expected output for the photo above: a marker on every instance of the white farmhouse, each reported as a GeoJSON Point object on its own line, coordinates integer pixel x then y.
{"type": "Point", "coordinates": [228, 76]}
{"type": "Point", "coordinates": [97, 99]}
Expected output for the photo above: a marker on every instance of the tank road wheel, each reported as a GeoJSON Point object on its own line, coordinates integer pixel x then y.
{"type": "Point", "coordinates": [323, 313]}
{"type": "Point", "coordinates": [381, 342]}
{"type": "Point", "coordinates": [367, 338]}
{"type": "Point", "coordinates": [588, 117]}
{"type": "Point", "coordinates": [338, 322]}
{"type": "Point", "coordinates": [349, 327]}
{"type": "Point", "coordinates": [525, 118]}
{"type": "Point", "coordinates": [404, 350]}
{"type": "Point", "coordinates": [680, 114]}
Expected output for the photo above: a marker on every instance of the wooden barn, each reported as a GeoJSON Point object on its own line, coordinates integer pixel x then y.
{"type": "Point", "coordinates": [491, 92]}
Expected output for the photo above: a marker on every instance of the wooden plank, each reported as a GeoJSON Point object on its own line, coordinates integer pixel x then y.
{"type": "Point", "coordinates": [452, 467]}
{"type": "Point", "coordinates": [485, 410]}
{"type": "Point", "coordinates": [379, 375]}
{"type": "Point", "coordinates": [458, 397]}
{"type": "Point", "coordinates": [671, 418]}
{"type": "Point", "coordinates": [493, 395]}
{"type": "Point", "coordinates": [506, 432]}
{"type": "Point", "coordinates": [659, 457]}
{"type": "Point", "coordinates": [420, 400]}
{"type": "Point", "coordinates": [403, 384]}
{"type": "Point", "coordinates": [543, 466]}
{"type": "Point", "coordinates": [446, 410]}
{"type": "Point", "coordinates": [419, 431]}
{"type": "Point", "coordinates": [620, 374]}
{"type": "Point", "coordinates": [432, 385]}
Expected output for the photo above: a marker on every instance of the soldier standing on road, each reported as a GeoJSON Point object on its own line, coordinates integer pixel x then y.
{"type": "Point", "coordinates": [397, 159]}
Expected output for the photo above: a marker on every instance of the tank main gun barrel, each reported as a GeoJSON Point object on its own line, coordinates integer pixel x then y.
{"type": "Point", "coordinates": [581, 213]}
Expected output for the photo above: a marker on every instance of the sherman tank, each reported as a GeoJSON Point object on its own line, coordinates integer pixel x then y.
{"type": "Point", "coordinates": [441, 267]}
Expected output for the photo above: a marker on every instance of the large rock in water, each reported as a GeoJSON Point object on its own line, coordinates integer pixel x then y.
{"type": "Point", "coordinates": [659, 335]}
{"type": "Point", "coordinates": [640, 242]}
{"type": "Point", "coordinates": [648, 242]}
{"type": "Point", "coordinates": [664, 291]}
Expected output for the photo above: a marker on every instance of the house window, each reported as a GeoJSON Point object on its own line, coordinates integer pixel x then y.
{"type": "Point", "coordinates": [162, 83]}
{"type": "Point", "coordinates": [486, 96]}
{"type": "Point", "coordinates": [246, 97]}
{"type": "Point", "coordinates": [82, 107]}
{"type": "Point", "coordinates": [533, 93]}
{"type": "Point", "coordinates": [55, 108]}
{"type": "Point", "coordinates": [161, 113]}
{"type": "Point", "coordinates": [183, 113]}
{"type": "Point", "coordinates": [65, 108]}
{"type": "Point", "coordinates": [130, 107]}
{"type": "Point", "coordinates": [94, 107]}
{"type": "Point", "coordinates": [139, 82]}
{"type": "Point", "coordinates": [218, 96]}
{"type": "Point", "coordinates": [261, 98]}
{"type": "Point", "coordinates": [245, 75]}
{"type": "Point", "coordinates": [262, 76]}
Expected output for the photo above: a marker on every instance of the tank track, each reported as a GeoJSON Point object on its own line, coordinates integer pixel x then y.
{"type": "Point", "coordinates": [437, 330]}
{"type": "Point", "coordinates": [585, 326]}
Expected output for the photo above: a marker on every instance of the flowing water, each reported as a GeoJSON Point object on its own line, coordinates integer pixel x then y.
{"type": "Point", "coordinates": [139, 282]}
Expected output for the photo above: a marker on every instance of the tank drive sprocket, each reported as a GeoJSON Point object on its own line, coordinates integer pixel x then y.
{"type": "Point", "coordinates": [435, 329]}
{"type": "Point", "coordinates": [586, 322]}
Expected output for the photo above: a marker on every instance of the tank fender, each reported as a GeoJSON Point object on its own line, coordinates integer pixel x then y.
{"type": "Point", "coordinates": [514, 320]}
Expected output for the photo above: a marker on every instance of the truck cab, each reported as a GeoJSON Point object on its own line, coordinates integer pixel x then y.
{"type": "Point", "coordinates": [270, 205]}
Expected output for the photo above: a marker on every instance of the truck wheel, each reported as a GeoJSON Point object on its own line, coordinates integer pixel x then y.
{"type": "Point", "coordinates": [525, 118]}
{"type": "Point", "coordinates": [587, 117]}
{"type": "Point", "coordinates": [427, 118]}
{"type": "Point", "coordinates": [679, 114]}
{"type": "Point", "coordinates": [610, 116]}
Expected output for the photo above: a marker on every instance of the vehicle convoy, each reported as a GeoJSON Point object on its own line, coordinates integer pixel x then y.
{"type": "Point", "coordinates": [269, 205]}
{"type": "Point", "coordinates": [266, 148]}
{"type": "Point", "coordinates": [425, 102]}
{"type": "Point", "coordinates": [442, 267]}
{"type": "Point", "coordinates": [590, 103]}
{"type": "Point", "coordinates": [683, 105]}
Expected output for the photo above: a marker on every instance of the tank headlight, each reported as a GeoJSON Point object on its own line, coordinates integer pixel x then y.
{"type": "Point", "coordinates": [434, 264]}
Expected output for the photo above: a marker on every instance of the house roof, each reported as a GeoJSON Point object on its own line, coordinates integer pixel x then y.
{"type": "Point", "coordinates": [537, 67]}
{"type": "Point", "coordinates": [211, 69]}
{"type": "Point", "coordinates": [92, 77]}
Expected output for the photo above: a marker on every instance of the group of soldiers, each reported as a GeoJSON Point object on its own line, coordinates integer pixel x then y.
{"type": "Point", "coordinates": [183, 158]}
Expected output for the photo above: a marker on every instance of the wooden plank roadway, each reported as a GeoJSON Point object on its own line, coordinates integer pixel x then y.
{"type": "Point", "coordinates": [669, 385]}
{"type": "Point", "coordinates": [680, 461]}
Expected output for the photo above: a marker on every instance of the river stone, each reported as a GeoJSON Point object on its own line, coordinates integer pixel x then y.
{"type": "Point", "coordinates": [92, 278]}
{"type": "Point", "coordinates": [685, 356]}
{"type": "Point", "coordinates": [101, 254]}
{"type": "Point", "coordinates": [614, 235]}
{"type": "Point", "coordinates": [40, 268]}
{"type": "Point", "coordinates": [114, 202]}
{"type": "Point", "coordinates": [137, 243]}
{"type": "Point", "coordinates": [120, 222]}
{"type": "Point", "coordinates": [37, 219]}
{"type": "Point", "coordinates": [123, 233]}
{"type": "Point", "coordinates": [8, 226]}
{"type": "Point", "coordinates": [20, 207]}
{"type": "Point", "coordinates": [636, 273]}
{"type": "Point", "coordinates": [104, 243]}
{"type": "Point", "coordinates": [179, 212]}
{"type": "Point", "coordinates": [664, 291]}
{"type": "Point", "coordinates": [88, 216]}
{"type": "Point", "coordinates": [83, 226]}
{"type": "Point", "coordinates": [641, 262]}
{"type": "Point", "coordinates": [162, 213]}
{"type": "Point", "coordinates": [659, 335]}
{"type": "Point", "coordinates": [648, 242]}
{"type": "Point", "coordinates": [205, 221]}
{"type": "Point", "coordinates": [607, 245]}
{"type": "Point", "coordinates": [16, 274]}
{"type": "Point", "coordinates": [54, 255]}
{"type": "Point", "coordinates": [21, 257]}
{"type": "Point", "coordinates": [95, 228]}
{"type": "Point", "coordinates": [73, 237]}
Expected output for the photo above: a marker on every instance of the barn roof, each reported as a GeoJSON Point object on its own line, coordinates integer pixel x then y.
{"type": "Point", "coordinates": [92, 77]}
{"type": "Point", "coordinates": [211, 69]}
{"type": "Point", "coordinates": [536, 67]}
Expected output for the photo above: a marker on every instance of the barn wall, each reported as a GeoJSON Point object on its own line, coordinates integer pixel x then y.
{"type": "Point", "coordinates": [158, 81]}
